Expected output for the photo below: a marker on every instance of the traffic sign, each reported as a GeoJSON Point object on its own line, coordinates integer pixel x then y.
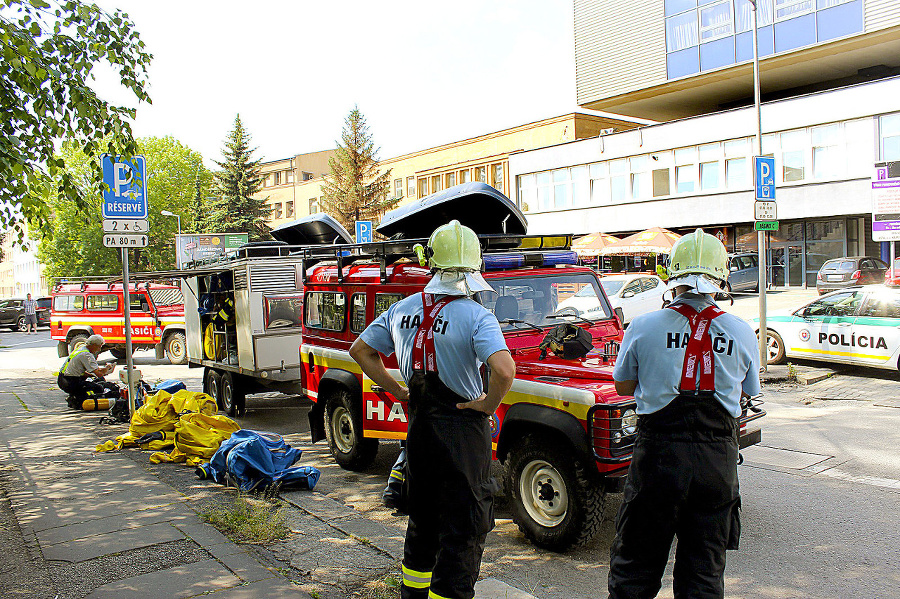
{"type": "Point", "coordinates": [765, 210]}
{"type": "Point", "coordinates": [363, 231]}
{"type": "Point", "coordinates": [126, 197]}
{"type": "Point", "coordinates": [125, 226]}
{"type": "Point", "coordinates": [766, 225]}
{"type": "Point", "coordinates": [129, 240]}
{"type": "Point", "coordinates": [764, 177]}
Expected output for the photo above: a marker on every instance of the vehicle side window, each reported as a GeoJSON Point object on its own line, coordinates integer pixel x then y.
{"type": "Point", "coordinates": [383, 301]}
{"type": "Point", "coordinates": [733, 264]}
{"type": "Point", "coordinates": [326, 310]}
{"type": "Point", "coordinates": [138, 302]}
{"type": "Point", "coordinates": [866, 264]}
{"type": "Point", "coordinates": [44, 303]}
{"type": "Point", "coordinates": [3, 305]}
{"type": "Point", "coordinates": [882, 307]}
{"type": "Point", "coordinates": [68, 303]}
{"type": "Point", "coordinates": [649, 283]}
{"type": "Point", "coordinates": [105, 302]}
{"type": "Point", "coordinates": [880, 264]}
{"type": "Point", "coordinates": [283, 311]}
{"type": "Point", "coordinates": [839, 304]}
{"type": "Point", "coordinates": [633, 287]}
{"type": "Point", "coordinates": [746, 262]}
{"type": "Point", "coordinates": [357, 312]}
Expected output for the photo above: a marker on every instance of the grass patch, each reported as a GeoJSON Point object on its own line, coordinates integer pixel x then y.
{"type": "Point", "coordinates": [248, 520]}
{"type": "Point", "coordinates": [386, 587]}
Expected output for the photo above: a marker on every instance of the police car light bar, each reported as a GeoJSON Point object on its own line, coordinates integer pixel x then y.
{"type": "Point", "coordinates": [516, 260]}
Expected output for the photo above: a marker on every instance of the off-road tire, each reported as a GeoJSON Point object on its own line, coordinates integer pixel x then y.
{"type": "Point", "coordinates": [21, 324]}
{"type": "Point", "coordinates": [555, 473]}
{"type": "Point", "coordinates": [344, 432]}
{"type": "Point", "coordinates": [176, 349]}
{"type": "Point", "coordinates": [233, 398]}
{"type": "Point", "coordinates": [118, 353]}
{"type": "Point", "coordinates": [774, 347]}
{"type": "Point", "coordinates": [75, 341]}
{"type": "Point", "coordinates": [212, 383]}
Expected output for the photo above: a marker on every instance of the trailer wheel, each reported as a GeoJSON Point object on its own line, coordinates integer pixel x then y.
{"type": "Point", "coordinates": [556, 503]}
{"type": "Point", "coordinates": [233, 397]}
{"type": "Point", "coordinates": [343, 429]}
{"type": "Point", "coordinates": [176, 348]}
{"type": "Point", "coordinates": [212, 381]}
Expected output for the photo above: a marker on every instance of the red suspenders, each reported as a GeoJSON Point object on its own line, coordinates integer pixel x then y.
{"type": "Point", "coordinates": [423, 354]}
{"type": "Point", "coordinates": [699, 353]}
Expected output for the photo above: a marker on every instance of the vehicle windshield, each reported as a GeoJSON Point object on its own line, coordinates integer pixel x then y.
{"type": "Point", "coordinates": [537, 299]}
{"type": "Point", "coordinates": [611, 287]}
{"type": "Point", "coordinates": [166, 297]}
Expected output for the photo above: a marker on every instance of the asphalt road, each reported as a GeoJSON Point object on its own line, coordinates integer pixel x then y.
{"type": "Point", "coordinates": [820, 496]}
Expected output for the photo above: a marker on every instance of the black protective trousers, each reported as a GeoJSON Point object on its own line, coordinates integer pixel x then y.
{"type": "Point", "coordinates": [80, 388]}
{"type": "Point", "coordinates": [450, 493]}
{"type": "Point", "coordinates": [682, 483]}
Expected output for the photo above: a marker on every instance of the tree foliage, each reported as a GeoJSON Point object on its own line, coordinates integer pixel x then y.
{"type": "Point", "coordinates": [48, 52]}
{"type": "Point", "coordinates": [74, 245]}
{"type": "Point", "coordinates": [354, 190]}
{"type": "Point", "coordinates": [234, 209]}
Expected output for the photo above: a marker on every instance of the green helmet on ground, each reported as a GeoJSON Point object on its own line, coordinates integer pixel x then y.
{"type": "Point", "coordinates": [451, 247]}
{"type": "Point", "coordinates": [698, 253]}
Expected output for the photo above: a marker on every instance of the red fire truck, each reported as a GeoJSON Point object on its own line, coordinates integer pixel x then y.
{"type": "Point", "coordinates": [82, 309]}
{"type": "Point", "coordinates": [562, 432]}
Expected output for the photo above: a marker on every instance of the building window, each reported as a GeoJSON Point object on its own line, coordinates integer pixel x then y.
{"type": "Point", "coordinates": [277, 210]}
{"type": "Point", "coordinates": [736, 173]}
{"type": "Point", "coordinates": [793, 155]}
{"type": "Point", "coordinates": [788, 9]}
{"type": "Point", "coordinates": [289, 209]}
{"type": "Point", "coordinates": [709, 166]}
{"type": "Point", "coordinates": [581, 186]}
{"type": "Point", "coordinates": [561, 188]}
{"type": "Point", "coordinates": [289, 176]}
{"type": "Point", "coordinates": [685, 170]}
{"type": "Point", "coordinates": [661, 185]}
{"type": "Point", "coordinates": [313, 205]}
{"type": "Point", "coordinates": [826, 155]}
{"type": "Point", "coordinates": [889, 129]}
{"type": "Point", "coordinates": [497, 177]}
{"type": "Point", "coordinates": [640, 177]}
{"type": "Point", "coordinates": [682, 31]}
{"type": "Point", "coordinates": [599, 184]}
{"type": "Point", "coordinates": [481, 174]}
{"type": "Point", "coordinates": [277, 176]}
{"type": "Point", "coordinates": [543, 190]}
{"type": "Point", "coordinates": [423, 187]}
{"type": "Point", "coordinates": [451, 179]}
{"type": "Point", "coordinates": [618, 180]}
{"type": "Point", "coordinates": [464, 176]}
{"type": "Point", "coordinates": [435, 183]}
{"type": "Point", "coordinates": [527, 193]}
{"type": "Point", "coordinates": [306, 176]}
{"type": "Point", "coordinates": [398, 188]}
{"type": "Point", "coordinates": [716, 21]}
{"type": "Point", "coordinates": [411, 187]}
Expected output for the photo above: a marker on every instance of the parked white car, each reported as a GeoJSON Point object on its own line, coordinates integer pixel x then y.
{"type": "Point", "coordinates": [636, 294]}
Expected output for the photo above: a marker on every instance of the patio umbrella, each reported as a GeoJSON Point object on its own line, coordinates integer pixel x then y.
{"type": "Point", "coordinates": [590, 245]}
{"type": "Point", "coordinates": [651, 241]}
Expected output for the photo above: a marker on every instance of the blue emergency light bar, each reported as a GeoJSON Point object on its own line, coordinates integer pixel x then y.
{"type": "Point", "coordinates": [518, 260]}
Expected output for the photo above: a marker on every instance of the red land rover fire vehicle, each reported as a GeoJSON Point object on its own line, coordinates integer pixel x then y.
{"type": "Point", "coordinates": [562, 432]}
{"type": "Point", "coordinates": [82, 309]}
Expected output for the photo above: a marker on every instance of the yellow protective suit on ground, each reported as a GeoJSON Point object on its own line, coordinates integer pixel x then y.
{"type": "Point", "coordinates": [187, 420]}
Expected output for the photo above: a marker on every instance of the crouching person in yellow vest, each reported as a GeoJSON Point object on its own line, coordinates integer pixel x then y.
{"type": "Point", "coordinates": [82, 377]}
{"type": "Point", "coordinates": [441, 338]}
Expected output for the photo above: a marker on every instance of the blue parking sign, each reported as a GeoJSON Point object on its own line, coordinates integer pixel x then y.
{"type": "Point", "coordinates": [363, 231]}
{"type": "Point", "coordinates": [764, 177]}
{"type": "Point", "coordinates": [126, 197]}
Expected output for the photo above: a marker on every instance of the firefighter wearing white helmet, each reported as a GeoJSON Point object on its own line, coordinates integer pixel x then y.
{"type": "Point", "coordinates": [441, 337]}
{"type": "Point", "coordinates": [688, 366]}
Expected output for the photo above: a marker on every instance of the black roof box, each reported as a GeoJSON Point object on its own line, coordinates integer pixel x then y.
{"type": "Point", "coordinates": [476, 205]}
{"type": "Point", "coordinates": [315, 229]}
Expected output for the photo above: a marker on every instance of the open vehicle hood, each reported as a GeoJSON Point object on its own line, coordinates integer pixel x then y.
{"type": "Point", "coordinates": [476, 205]}
{"type": "Point", "coordinates": [315, 229]}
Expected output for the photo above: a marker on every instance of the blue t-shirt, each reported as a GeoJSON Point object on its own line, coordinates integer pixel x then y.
{"type": "Point", "coordinates": [652, 353]}
{"type": "Point", "coordinates": [467, 335]}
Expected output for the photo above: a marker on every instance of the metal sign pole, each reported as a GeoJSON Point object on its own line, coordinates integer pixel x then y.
{"type": "Point", "coordinates": [760, 235]}
{"type": "Point", "coordinates": [129, 363]}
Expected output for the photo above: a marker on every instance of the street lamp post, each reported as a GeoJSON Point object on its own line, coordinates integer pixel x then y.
{"type": "Point", "coordinates": [167, 213]}
{"type": "Point", "coordinates": [761, 235]}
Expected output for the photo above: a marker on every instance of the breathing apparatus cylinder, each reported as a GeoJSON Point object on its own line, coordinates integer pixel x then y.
{"type": "Point", "coordinates": [100, 403]}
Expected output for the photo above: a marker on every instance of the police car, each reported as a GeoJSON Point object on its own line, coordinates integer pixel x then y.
{"type": "Point", "coordinates": [858, 325]}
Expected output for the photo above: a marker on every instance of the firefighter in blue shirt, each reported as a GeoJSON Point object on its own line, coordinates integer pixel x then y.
{"type": "Point", "coordinates": [688, 366]}
{"type": "Point", "coordinates": [441, 338]}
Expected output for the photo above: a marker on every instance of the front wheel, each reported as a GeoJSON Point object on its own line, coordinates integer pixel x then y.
{"type": "Point", "coordinates": [557, 503]}
{"type": "Point", "coordinates": [176, 348]}
{"type": "Point", "coordinates": [233, 399]}
{"type": "Point", "coordinates": [774, 347]}
{"type": "Point", "coordinates": [344, 432]}
{"type": "Point", "coordinates": [118, 353]}
{"type": "Point", "coordinates": [21, 324]}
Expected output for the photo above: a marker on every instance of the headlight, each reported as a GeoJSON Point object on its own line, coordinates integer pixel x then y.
{"type": "Point", "coordinates": [629, 422]}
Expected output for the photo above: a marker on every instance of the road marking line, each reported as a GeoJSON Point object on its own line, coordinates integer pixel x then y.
{"type": "Point", "coordinates": [875, 481]}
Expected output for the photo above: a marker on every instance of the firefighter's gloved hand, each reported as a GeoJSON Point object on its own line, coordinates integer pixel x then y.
{"type": "Point", "coordinates": [155, 436]}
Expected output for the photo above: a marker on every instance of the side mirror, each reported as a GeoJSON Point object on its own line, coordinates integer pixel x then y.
{"type": "Point", "coordinates": [628, 294]}
{"type": "Point", "coordinates": [620, 314]}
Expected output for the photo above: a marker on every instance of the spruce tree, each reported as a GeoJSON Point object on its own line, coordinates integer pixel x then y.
{"type": "Point", "coordinates": [235, 210]}
{"type": "Point", "coordinates": [198, 210]}
{"type": "Point", "coordinates": [354, 190]}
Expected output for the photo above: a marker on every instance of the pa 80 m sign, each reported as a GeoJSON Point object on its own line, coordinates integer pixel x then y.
{"type": "Point", "coordinates": [126, 197]}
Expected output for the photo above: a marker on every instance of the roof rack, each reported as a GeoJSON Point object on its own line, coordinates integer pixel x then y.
{"type": "Point", "coordinates": [388, 252]}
